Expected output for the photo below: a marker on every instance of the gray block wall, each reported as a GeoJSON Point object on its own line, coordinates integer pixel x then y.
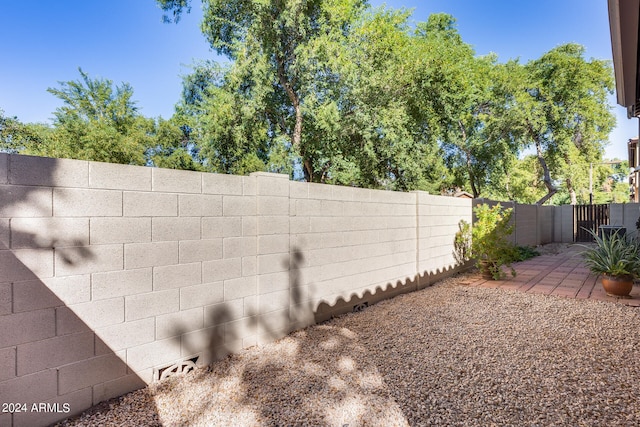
{"type": "Point", "coordinates": [113, 275]}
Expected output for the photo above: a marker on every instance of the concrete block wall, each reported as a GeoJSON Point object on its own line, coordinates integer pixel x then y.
{"type": "Point", "coordinates": [437, 222]}
{"type": "Point", "coordinates": [114, 275]}
{"type": "Point", "coordinates": [352, 247]}
{"type": "Point", "coordinates": [538, 225]}
{"type": "Point", "coordinates": [625, 215]}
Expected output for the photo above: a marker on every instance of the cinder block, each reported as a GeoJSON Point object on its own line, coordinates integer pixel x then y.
{"type": "Point", "coordinates": [200, 250]}
{"type": "Point", "coordinates": [125, 335]}
{"type": "Point", "coordinates": [273, 263]}
{"type": "Point", "coordinates": [298, 190]}
{"type": "Point", "coordinates": [235, 247]}
{"type": "Point", "coordinates": [38, 387]}
{"type": "Point", "coordinates": [201, 295]}
{"type": "Point", "coordinates": [176, 181]}
{"type": "Point", "coordinates": [152, 304]}
{"type": "Point", "coordinates": [49, 232]}
{"type": "Point", "coordinates": [249, 266]}
{"type": "Point", "coordinates": [206, 341]}
{"type": "Point", "coordinates": [88, 259]}
{"type": "Point", "coordinates": [306, 207]}
{"type": "Point", "coordinates": [250, 305]}
{"type": "Point", "coordinates": [6, 298]}
{"type": "Point", "coordinates": [342, 193]}
{"type": "Point", "coordinates": [273, 225]}
{"type": "Point", "coordinates": [221, 227]}
{"type": "Point", "coordinates": [118, 387]}
{"type": "Point", "coordinates": [149, 204]}
{"type": "Point", "coordinates": [5, 234]}
{"type": "Point", "coordinates": [157, 353]}
{"type": "Point", "coordinates": [181, 322]}
{"type": "Point", "coordinates": [26, 264]}
{"type": "Point", "coordinates": [120, 230]}
{"type": "Point", "coordinates": [332, 240]}
{"type": "Point", "coordinates": [249, 186]}
{"type": "Point", "coordinates": [213, 271]}
{"type": "Point", "coordinates": [140, 255]}
{"type": "Point", "coordinates": [249, 226]}
{"type": "Point", "coordinates": [273, 244]}
{"type": "Point", "coordinates": [273, 301]}
{"type": "Point", "coordinates": [48, 172]}
{"type": "Point", "coordinates": [20, 328]}
{"type": "Point", "coordinates": [214, 183]}
{"type": "Point", "coordinates": [320, 191]}
{"type": "Point", "coordinates": [86, 373]}
{"type": "Point", "coordinates": [74, 202]}
{"type": "Point", "coordinates": [51, 353]}
{"type": "Point", "coordinates": [299, 224]}
{"type": "Point", "coordinates": [332, 207]}
{"type": "Point", "coordinates": [180, 228]}
{"type": "Point", "coordinates": [270, 184]}
{"type": "Point", "coordinates": [176, 276]}
{"type": "Point", "coordinates": [273, 325]}
{"type": "Point", "coordinates": [33, 295]}
{"type": "Point", "coordinates": [240, 329]}
{"type": "Point", "coordinates": [4, 168]}
{"type": "Point", "coordinates": [274, 206]}
{"type": "Point", "coordinates": [119, 177]}
{"type": "Point", "coordinates": [239, 205]}
{"type": "Point", "coordinates": [25, 202]}
{"type": "Point", "coordinates": [67, 322]}
{"type": "Point", "coordinates": [219, 314]}
{"type": "Point", "coordinates": [239, 288]}
{"type": "Point", "coordinates": [96, 314]}
{"type": "Point", "coordinates": [121, 283]}
{"type": "Point", "coordinates": [7, 363]}
{"type": "Point", "coordinates": [200, 205]}
{"type": "Point", "coordinates": [6, 419]}
{"type": "Point", "coordinates": [273, 282]}
{"type": "Point", "coordinates": [53, 410]}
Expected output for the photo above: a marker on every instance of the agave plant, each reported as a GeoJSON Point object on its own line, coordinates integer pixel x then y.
{"type": "Point", "coordinates": [613, 255]}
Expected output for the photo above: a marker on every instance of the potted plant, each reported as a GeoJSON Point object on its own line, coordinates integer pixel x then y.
{"type": "Point", "coordinates": [490, 245]}
{"type": "Point", "coordinates": [616, 259]}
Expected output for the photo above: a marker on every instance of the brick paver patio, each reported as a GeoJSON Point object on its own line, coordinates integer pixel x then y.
{"type": "Point", "coordinates": [563, 274]}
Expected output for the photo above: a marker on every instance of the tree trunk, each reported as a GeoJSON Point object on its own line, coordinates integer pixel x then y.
{"type": "Point", "coordinates": [296, 137]}
{"type": "Point", "coordinates": [472, 178]}
{"type": "Point", "coordinates": [545, 168]}
{"type": "Point", "coordinates": [551, 189]}
{"type": "Point", "coordinates": [572, 192]}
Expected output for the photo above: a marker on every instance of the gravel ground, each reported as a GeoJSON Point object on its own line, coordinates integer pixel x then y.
{"type": "Point", "coordinates": [449, 355]}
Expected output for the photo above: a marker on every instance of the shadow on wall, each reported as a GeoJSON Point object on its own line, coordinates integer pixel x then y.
{"type": "Point", "coordinates": [315, 376]}
{"type": "Point", "coordinates": [357, 303]}
{"type": "Point", "coordinates": [232, 327]}
{"type": "Point", "coordinates": [51, 362]}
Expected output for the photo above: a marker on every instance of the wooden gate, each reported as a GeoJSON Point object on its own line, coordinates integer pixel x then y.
{"type": "Point", "coordinates": [588, 217]}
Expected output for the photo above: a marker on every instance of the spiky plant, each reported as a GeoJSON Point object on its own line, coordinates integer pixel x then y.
{"type": "Point", "coordinates": [613, 255]}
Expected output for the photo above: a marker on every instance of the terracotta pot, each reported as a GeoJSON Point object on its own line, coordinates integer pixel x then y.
{"type": "Point", "coordinates": [619, 286]}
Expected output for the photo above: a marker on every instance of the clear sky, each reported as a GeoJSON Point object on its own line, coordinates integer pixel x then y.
{"type": "Point", "coordinates": [44, 42]}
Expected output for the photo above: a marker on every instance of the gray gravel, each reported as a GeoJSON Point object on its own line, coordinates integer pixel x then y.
{"type": "Point", "coordinates": [450, 355]}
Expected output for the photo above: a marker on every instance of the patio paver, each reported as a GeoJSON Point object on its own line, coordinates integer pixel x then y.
{"type": "Point", "coordinates": [563, 274]}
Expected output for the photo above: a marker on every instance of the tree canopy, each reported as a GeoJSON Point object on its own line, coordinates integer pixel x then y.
{"type": "Point", "coordinates": [338, 92]}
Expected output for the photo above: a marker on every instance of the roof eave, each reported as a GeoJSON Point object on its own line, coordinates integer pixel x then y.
{"type": "Point", "coordinates": [623, 24]}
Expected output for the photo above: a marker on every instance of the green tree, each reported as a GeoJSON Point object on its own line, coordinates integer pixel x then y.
{"type": "Point", "coordinates": [562, 110]}
{"type": "Point", "coordinates": [96, 122]}
{"type": "Point", "coordinates": [277, 35]}
{"type": "Point", "coordinates": [470, 99]}
{"type": "Point", "coordinates": [384, 117]}
{"type": "Point", "coordinates": [15, 136]}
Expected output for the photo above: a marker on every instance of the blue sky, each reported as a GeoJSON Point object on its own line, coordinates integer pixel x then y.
{"type": "Point", "coordinates": [44, 42]}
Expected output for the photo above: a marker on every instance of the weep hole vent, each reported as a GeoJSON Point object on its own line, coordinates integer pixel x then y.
{"type": "Point", "coordinates": [183, 366]}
